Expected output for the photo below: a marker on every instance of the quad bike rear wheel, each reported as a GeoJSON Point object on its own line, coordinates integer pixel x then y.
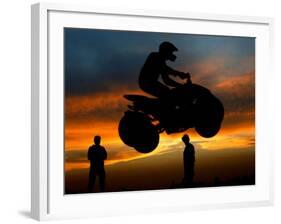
{"type": "Point", "coordinates": [136, 130]}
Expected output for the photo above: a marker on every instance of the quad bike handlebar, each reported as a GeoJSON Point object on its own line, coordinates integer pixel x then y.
{"type": "Point", "coordinates": [186, 76]}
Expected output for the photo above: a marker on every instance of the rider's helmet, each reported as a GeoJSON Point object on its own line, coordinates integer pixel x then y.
{"type": "Point", "coordinates": [166, 49]}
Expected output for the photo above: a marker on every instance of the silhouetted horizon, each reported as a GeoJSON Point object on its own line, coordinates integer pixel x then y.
{"type": "Point", "coordinates": [231, 167]}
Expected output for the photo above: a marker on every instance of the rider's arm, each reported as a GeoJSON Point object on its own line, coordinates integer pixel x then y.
{"type": "Point", "coordinates": [168, 81]}
{"type": "Point", "coordinates": [173, 72]}
{"type": "Point", "coordinates": [182, 75]}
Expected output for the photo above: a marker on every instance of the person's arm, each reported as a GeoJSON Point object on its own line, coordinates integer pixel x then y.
{"type": "Point", "coordinates": [89, 153]}
{"type": "Point", "coordinates": [105, 154]}
{"type": "Point", "coordinates": [168, 81]}
{"type": "Point", "coordinates": [173, 72]}
{"type": "Point", "coordinates": [182, 75]}
{"type": "Point", "coordinates": [193, 152]}
{"type": "Point", "coordinates": [166, 71]}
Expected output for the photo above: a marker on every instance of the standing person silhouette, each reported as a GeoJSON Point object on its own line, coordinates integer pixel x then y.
{"type": "Point", "coordinates": [188, 161]}
{"type": "Point", "coordinates": [97, 154]}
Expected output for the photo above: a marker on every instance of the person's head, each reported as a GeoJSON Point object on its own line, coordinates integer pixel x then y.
{"type": "Point", "coordinates": [185, 139]}
{"type": "Point", "coordinates": [166, 49]}
{"type": "Point", "coordinates": [97, 139]}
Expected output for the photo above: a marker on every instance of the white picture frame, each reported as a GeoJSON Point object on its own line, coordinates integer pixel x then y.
{"type": "Point", "coordinates": [48, 200]}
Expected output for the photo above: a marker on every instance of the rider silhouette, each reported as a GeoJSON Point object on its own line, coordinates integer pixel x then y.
{"type": "Point", "coordinates": [155, 66]}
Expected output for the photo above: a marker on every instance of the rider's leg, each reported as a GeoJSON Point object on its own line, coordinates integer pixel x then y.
{"type": "Point", "coordinates": [156, 89]}
{"type": "Point", "coordinates": [163, 93]}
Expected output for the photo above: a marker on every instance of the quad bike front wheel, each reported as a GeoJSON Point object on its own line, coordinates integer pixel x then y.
{"type": "Point", "coordinates": [136, 130]}
{"type": "Point", "coordinates": [209, 115]}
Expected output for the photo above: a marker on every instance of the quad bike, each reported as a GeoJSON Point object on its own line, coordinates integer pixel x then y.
{"type": "Point", "coordinates": [187, 106]}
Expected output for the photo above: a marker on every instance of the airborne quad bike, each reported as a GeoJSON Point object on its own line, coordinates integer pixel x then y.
{"type": "Point", "coordinates": [187, 106]}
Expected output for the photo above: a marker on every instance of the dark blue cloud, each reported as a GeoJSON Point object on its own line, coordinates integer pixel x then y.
{"type": "Point", "coordinates": [97, 60]}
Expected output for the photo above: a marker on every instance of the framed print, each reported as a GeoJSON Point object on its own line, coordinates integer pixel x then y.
{"type": "Point", "coordinates": [138, 111]}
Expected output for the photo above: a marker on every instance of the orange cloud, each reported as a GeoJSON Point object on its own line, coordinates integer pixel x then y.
{"type": "Point", "coordinates": [241, 136]}
{"type": "Point", "coordinates": [231, 83]}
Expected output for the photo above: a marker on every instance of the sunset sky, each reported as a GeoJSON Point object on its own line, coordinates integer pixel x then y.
{"type": "Point", "coordinates": [101, 66]}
